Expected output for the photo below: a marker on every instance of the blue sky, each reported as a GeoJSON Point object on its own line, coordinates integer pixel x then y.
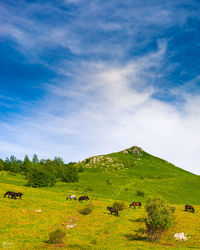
{"type": "Point", "coordinates": [80, 78]}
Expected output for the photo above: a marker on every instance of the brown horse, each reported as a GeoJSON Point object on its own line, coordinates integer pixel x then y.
{"type": "Point", "coordinates": [190, 208]}
{"type": "Point", "coordinates": [113, 210]}
{"type": "Point", "coordinates": [135, 204]}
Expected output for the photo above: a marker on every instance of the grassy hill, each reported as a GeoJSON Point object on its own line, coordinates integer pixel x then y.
{"type": "Point", "coordinates": [136, 162]}
{"type": "Point", "coordinates": [105, 179]}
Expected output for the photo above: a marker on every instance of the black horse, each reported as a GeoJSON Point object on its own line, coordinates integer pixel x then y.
{"type": "Point", "coordinates": [190, 208]}
{"type": "Point", "coordinates": [10, 194]}
{"type": "Point", "coordinates": [83, 198]}
{"type": "Point", "coordinates": [13, 195]}
{"type": "Point", "coordinates": [18, 195]}
{"type": "Point", "coordinates": [113, 210]}
{"type": "Point", "coordinates": [135, 204]}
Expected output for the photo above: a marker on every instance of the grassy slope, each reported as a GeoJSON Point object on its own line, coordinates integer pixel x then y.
{"type": "Point", "coordinates": [27, 229]}
{"type": "Point", "coordinates": [137, 163]}
{"type": "Point", "coordinates": [127, 173]}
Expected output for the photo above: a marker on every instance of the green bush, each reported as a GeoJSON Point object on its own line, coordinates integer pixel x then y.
{"type": "Point", "coordinates": [56, 236]}
{"type": "Point", "coordinates": [160, 216]}
{"type": "Point", "coordinates": [39, 177]}
{"type": "Point", "coordinates": [87, 209]}
{"type": "Point", "coordinates": [68, 173]}
{"type": "Point", "coordinates": [120, 205]}
{"type": "Point", "coordinates": [108, 182]}
{"type": "Point", "coordinates": [140, 193]}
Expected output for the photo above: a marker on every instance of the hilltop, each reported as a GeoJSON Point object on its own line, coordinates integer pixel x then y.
{"type": "Point", "coordinates": [137, 162]}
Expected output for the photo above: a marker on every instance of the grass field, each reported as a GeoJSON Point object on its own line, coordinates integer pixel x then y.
{"type": "Point", "coordinates": [24, 228]}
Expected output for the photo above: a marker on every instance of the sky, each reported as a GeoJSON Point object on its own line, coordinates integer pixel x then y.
{"type": "Point", "coordinates": [80, 78]}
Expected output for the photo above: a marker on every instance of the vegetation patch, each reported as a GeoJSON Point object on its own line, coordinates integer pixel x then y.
{"type": "Point", "coordinates": [140, 193]}
{"type": "Point", "coordinates": [160, 216]}
{"type": "Point", "coordinates": [87, 209]}
{"type": "Point", "coordinates": [57, 236]}
{"type": "Point", "coordinates": [119, 205]}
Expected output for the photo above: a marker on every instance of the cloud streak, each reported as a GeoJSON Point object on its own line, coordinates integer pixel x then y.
{"type": "Point", "coordinates": [108, 108]}
{"type": "Point", "coordinates": [115, 80]}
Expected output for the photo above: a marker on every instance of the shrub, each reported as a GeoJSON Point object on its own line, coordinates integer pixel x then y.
{"type": "Point", "coordinates": [56, 236]}
{"type": "Point", "coordinates": [140, 193]}
{"type": "Point", "coordinates": [108, 182]}
{"type": "Point", "coordinates": [120, 205]}
{"type": "Point", "coordinates": [160, 216]}
{"type": "Point", "coordinates": [88, 189]}
{"type": "Point", "coordinates": [39, 177]}
{"type": "Point", "coordinates": [87, 209]}
{"type": "Point", "coordinates": [80, 169]}
{"type": "Point", "coordinates": [68, 173]}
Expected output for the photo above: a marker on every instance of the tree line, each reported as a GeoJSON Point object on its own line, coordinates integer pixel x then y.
{"type": "Point", "coordinates": [44, 172]}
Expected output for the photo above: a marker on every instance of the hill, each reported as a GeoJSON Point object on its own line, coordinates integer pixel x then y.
{"type": "Point", "coordinates": [129, 175]}
{"type": "Point", "coordinates": [137, 162]}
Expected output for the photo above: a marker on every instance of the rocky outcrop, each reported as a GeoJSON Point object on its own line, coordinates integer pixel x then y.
{"type": "Point", "coordinates": [133, 150]}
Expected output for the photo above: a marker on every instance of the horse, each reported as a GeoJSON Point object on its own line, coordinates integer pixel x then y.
{"type": "Point", "coordinates": [10, 194]}
{"type": "Point", "coordinates": [18, 195]}
{"type": "Point", "coordinates": [71, 197]}
{"type": "Point", "coordinates": [83, 198]}
{"type": "Point", "coordinates": [113, 210]}
{"type": "Point", "coordinates": [135, 204]}
{"type": "Point", "coordinates": [190, 208]}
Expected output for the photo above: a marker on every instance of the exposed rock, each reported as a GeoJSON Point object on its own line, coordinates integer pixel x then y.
{"type": "Point", "coordinates": [125, 152]}
{"type": "Point", "coordinates": [70, 226]}
{"type": "Point", "coordinates": [133, 150]}
{"type": "Point", "coordinates": [180, 236]}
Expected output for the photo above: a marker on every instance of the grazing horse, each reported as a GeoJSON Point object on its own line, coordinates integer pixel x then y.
{"type": "Point", "coordinates": [19, 195]}
{"type": "Point", "coordinates": [113, 210]}
{"type": "Point", "coordinates": [10, 194]}
{"type": "Point", "coordinates": [83, 198]}
{"type": "Point", "coordinates": [190, 208]}
{"type": "Point", "coordinates": [71, 197]}
{"type": "Point", "coordinates": [135, 204]}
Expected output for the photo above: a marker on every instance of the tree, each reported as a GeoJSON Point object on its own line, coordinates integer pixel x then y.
{"type": "Point", "coordinates": [35, 159]}
{"type": "Point", "coordinates": [11, 164]}
{"type": "Point", "coordinates": [7, 164]}
{"type": "Point", "coordinates": [58, 161]}
{"type": "Point", "coordinates": [26, 164]}
{"type": "Point", "coordinates": [160, 216]}
{"type": "Point", "coordinates": [68, 173]}
{"type": "Point", "coordinates": [1, 164]}
{"type": "Point", "coordinates": [39, 177]}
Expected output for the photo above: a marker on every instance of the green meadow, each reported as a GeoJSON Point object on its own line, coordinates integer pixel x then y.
{"type": "Point", "coordinates": [107, 179]}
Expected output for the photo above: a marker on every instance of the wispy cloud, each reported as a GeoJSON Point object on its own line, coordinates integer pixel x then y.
{"type": "Point", "coordinates": [111, 60]}
{"type": "Point", "coordinates": [107, 108]}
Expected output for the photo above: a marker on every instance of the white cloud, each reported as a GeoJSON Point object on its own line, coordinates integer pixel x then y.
{"type": "Point", "coordinates": [105, 108]}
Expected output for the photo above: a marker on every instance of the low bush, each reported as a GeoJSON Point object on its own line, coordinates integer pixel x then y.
{"type": "Point", "coordinates": [88, 189]}
{"type": "Point", "coordinates": [39, 177]}
{"type": "Point", "coordinates": [160, 216]}
{"type": "Point", "coordinates": [87, 209]}
{"type": "Point", "coordinates": [119, 205]}
{"type": "Point", "coordinates": [68, 173]}
{"type": "Point", "coordinates": [56, 236]}
{"type": "Point", "coordinates": [108, 182]}
{"type": "Point", "coordinates": [140, 193]}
